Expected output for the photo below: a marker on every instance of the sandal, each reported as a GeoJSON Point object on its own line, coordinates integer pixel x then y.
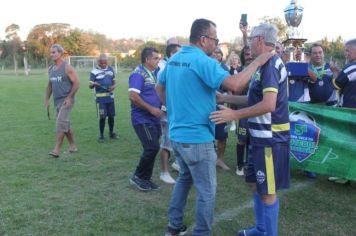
{"type": "Point", "coordinates": [53, 154]}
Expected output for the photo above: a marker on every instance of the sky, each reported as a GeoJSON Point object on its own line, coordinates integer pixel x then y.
{"type": "Point", "coordinates": [165, 18]}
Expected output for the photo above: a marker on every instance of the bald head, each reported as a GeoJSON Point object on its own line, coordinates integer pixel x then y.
{"type": "Point", "coordinates": [103, 61]}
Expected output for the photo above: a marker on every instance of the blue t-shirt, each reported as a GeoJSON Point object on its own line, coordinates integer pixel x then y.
{"type": "Point", "coordinates": [346, 83]}
{"type": "Point", "coordinates": [322, 91]}
{"type": "Point", "coordinates": [105, 78]}
{"type": "Point", "coordinates": [272, 127]}
{"type": "Point", "coordinates": [191, 79]}
{"type": "Point", "coordinates": [143, 83]}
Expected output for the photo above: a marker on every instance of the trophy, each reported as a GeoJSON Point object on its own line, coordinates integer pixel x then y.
{"type": "Point", "coordinates": [296, 67]}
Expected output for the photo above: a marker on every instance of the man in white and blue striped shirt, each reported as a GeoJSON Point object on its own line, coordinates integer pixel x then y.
{"type": "Point", "coordinates": [346, 80]}
{"type": "Point", "coordinates": [268, 161]}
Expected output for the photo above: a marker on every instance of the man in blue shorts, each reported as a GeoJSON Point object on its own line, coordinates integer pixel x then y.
{"type": "Point", "coordinates": [189, 83]}
{"type": "Point", "coordinates": [102, 78]}
{"type": "Point", "coordinates": [268, 163]}
{"type": "Point", "coordinates": [221, 130]}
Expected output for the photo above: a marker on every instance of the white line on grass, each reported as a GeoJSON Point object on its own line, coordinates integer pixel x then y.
{"type": "Point", "coordinates": [233, 212]}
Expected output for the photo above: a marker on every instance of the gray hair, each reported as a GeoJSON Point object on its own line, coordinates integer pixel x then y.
{"type": "Point", "coordinates": [59, 48]}
{"type": "Point", "coordinates": [351, 42]}
{"type": "Point", "coordinates": [267, 31]}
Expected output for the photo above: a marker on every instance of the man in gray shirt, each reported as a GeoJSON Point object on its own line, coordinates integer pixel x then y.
{"type": "Point", "coordinates": [63, 83]}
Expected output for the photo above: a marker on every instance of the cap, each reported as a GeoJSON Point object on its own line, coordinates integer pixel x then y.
{"type": "Point", "coordinates": [172, 41]}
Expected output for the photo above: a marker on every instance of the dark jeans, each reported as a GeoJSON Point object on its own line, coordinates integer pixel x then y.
{"type": "Point", "coordinates": [149, 136]}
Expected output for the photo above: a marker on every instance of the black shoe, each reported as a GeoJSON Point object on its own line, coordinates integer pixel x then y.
{"type": "Point", "coordinates": [101, 139]}
{"type": "Point", "coordinates": [141, 184]}
{"type": "Point", "coordinates": [176, 232]}
{"type": "Point", "coordinates": [113, 136]}
{"type": "Point", "coordinates": [153, 185]}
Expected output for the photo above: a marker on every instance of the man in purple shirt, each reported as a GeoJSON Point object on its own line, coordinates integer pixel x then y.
{"type": "Point", "coordinates": [145, 116]}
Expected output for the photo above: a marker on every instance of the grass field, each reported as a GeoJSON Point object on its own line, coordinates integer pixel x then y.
{"type": "Point", "coordinates": [88, 193]}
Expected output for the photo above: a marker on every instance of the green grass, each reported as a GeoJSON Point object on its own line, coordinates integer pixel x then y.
{"type": "Point", "coordinates": [88, 193]}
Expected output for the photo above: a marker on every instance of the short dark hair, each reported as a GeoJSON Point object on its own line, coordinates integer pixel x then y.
{"type": "Point", "coordinates": [315, 45]}
{"type": "Point", "coordinates": [147, 53]}
{"type": "Point", "coordinates": [170, 49]}
{"type": "Point", "coordinates": [200, 27]}
{"type": "Point", "coordinates": [218, 51]}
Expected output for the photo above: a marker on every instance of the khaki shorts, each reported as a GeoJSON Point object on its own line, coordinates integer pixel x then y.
{"type": "Point", "coordinates": [63, 118]}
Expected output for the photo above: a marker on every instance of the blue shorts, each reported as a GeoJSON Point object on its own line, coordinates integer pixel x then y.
{"type": "Point", "coordinates": [220, 132]}
{"type": "Point", "coordinates": [106, 109]}
{"type": "Point", "coordinates": [268, 167]}
{"type": "Point", "coordinates": [242, 131]}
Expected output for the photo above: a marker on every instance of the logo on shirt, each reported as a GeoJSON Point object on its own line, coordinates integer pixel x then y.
{"type": "Point", "coordinates": [260, 177]}
{"type": "Point", "coordinates": [304, 135]}
{"type": "Point", "coordinates": [56, 79]}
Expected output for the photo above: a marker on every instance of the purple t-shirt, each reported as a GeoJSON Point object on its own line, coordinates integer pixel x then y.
{"type": "Point", "coordinates": [143, 83]}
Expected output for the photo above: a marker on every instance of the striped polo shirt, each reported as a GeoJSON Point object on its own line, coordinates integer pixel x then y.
{"type": "Point", "coordinates": [271, 127]}
{"type": "Point", "coordinates": [346, 83]}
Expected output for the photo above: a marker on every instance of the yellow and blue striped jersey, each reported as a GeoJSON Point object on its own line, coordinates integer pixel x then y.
{"type": "Point", "coordinates": [272, 127]}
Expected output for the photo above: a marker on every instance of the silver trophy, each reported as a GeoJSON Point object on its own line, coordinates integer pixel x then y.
{"type": "Point", "coordinates": [293, 14]}
{"type": "Point", "coordinates": [294, 44]}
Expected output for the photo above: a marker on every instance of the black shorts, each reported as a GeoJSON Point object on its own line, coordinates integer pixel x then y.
{"type": "Point", "coordinates": [106, 109]}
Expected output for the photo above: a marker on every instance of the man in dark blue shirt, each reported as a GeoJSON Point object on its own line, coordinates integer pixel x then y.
{"type": "Point", "coordinates": [102, 78]}
{"type": "Point", "coordinates": [346, 81]}
{"type": "Point", "coordinates": [268, 163]}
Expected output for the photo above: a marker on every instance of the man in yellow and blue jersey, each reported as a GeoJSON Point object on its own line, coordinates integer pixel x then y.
{"type": "Point", "coordinates": [267, 167]}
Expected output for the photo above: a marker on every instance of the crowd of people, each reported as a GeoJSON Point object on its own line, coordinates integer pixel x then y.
{"type": "Point", "coordinates": [182, 97]}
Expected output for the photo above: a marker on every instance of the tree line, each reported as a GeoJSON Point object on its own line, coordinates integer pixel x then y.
{"type": "Point", "coordinates": [34, 50]}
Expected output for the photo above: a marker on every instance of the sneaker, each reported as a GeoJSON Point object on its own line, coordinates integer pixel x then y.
{"type": "Point", "coordinates": [167, 178]}
{"type": "Point", "coordinates": [176, 232]}
{"type": "Point", "coordinates": [343, 181]}
{"type": "Point", "coordinates": [233, 126]}
{"type": "Point", "coordinates": [101, 139]}
{"type": "Point", "coordinates": [152, 185]}
{"type": "Point", "coordinates": [175, 166]}
{"type": "Point", "coordinates": [140, 183]}
{"type": "Point", "coordinates": [333, 179]}
{"type": "Point", "coordinates": [113, 136]}
{"type": "Point", "coordinates": [253, 231]}
{"type": "Point", "coordinates": [240, 171]}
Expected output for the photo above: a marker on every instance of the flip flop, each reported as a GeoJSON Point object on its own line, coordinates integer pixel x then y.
{"type": "Point", "coordinates": [53, 154]}
{"type": "Point", "coordinates": [70, 151]}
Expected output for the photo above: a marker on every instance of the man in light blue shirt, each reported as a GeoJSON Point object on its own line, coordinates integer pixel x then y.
{"type": "Point", "coordinates": [188, 84]}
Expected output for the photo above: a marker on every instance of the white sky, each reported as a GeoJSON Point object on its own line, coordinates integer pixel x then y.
{"type": "Point", "coordinates": [155, 18]}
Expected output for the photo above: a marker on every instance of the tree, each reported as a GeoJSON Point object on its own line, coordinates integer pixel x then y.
{"type": "Point", "coordinates": [160, 47]}
{"type": "Point", "coordinates": [43, 36]}
{"type": "Point", "coordinates": [15, 42]}
{"type": "Point", "coordinates": [279, 23]}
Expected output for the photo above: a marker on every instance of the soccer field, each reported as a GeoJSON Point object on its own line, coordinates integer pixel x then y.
{"type": "Point", "coordinates": [88, 192]}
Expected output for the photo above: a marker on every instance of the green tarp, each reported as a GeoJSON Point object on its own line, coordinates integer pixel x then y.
{"type": "Point", "coordinates": [335, 153]}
